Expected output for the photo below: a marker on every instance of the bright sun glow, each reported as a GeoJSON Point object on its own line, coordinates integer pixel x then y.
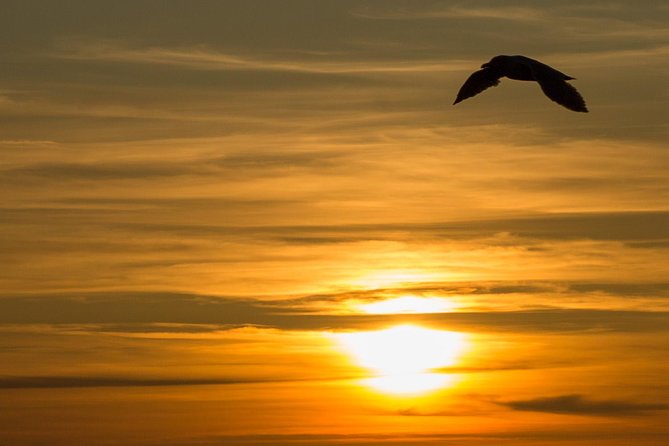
{"type": "Point", "coordinates": [408, 304]}
{"type": "Point", "coordinates": [402, 357]}
{"type": "Point", "coordinates": [409, 384]}
{"type": "Point", "coordinates": [393, 278]}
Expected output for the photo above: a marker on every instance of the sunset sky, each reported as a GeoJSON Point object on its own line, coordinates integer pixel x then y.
{"type": "Point", "coordinates": [262, 223]}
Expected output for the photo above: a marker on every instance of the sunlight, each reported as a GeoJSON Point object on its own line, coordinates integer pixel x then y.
{"type": "Point", "coordinates": [393, 278]}
{"type": "Point", "coordinates": [409, 384]}
{"type": "Point", "coordinates": [408, 304]}
{"type": "Point", "coordinates": [402, 357]}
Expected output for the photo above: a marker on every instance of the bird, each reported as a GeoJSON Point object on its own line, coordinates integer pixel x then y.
{"type": "Point", "coordinates": [553, 83]}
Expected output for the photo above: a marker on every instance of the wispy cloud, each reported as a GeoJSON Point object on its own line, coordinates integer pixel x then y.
{"type": "Point", "coordinates": [524, 437]}
{"type": "Point", "coordinates": [620, 57]}
{"type": "Point", "coordinates": [59, 382]}
{"type": "Point", "coordinates": [564, 22]}
{"type": "Point", "coordinates": [513, 13]}
{"type": "Point", "coordinates": [27, 143]}
{"type": "Point", "coordinates": [203, 58]}
{"type": "Point", "coordinates": [613, 226]}
{"type": "Point", "coordinates": [581, 405]}
{"type": "Point", "coordinates": [120, 309]}
{"type": "Point", "coordinates": [234, 165]}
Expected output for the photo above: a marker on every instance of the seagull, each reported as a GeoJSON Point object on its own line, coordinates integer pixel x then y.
{"type": "Point", "coordinates": [521, 68]}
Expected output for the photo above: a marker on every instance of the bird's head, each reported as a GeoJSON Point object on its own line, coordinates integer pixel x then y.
{"type": "Point", "coordinates": [496, 61]}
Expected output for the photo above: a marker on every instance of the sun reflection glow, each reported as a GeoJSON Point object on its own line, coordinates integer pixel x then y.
{"type": "Point", "coordinates": [403, 357]}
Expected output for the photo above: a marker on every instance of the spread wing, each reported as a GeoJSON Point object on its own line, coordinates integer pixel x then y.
{"type": "Point", "coordinates": [476, 83]}
{"type": "Point", "coordinates": [554, 86]}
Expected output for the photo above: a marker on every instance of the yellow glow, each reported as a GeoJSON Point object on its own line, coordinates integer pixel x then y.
{"type": "Point", "coordinates": [411, 383]}
{"type": "Point", "coordinates": [402, 356]}
{"type": "Point", "coordinates": [385, 279]}
{"type": "Point", "coordinates": [408, 304]}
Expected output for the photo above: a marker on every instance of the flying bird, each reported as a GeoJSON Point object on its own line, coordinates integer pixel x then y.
{"type": "Point", "coordinates": [521, 68]}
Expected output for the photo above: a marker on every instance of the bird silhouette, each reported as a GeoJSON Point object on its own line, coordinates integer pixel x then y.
{"type": "Point", "coordinates": [521, 68]}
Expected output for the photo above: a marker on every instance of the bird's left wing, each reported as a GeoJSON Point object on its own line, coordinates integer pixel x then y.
{"type": "Point", "coordinates": [557, 89]}
{"type": "Point", "coordinates": [478, 81]}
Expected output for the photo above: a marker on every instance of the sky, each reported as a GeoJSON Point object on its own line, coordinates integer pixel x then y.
{"type": "Point", "coordinates": [263, 223]}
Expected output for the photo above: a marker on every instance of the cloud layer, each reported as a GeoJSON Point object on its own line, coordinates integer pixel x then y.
{"type": "Point", "coordinates": [580, 405]}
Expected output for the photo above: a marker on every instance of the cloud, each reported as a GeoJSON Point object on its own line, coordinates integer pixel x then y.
{"type": "Point", "coordinates": [580, 405]}
{"type": "Point", "coordinates": [28, 143]}
{"type": "Point", "coordinates": [511, 13]}
{"type": "Point", "coordinates": [596, 226]}
{"type": "Point", "coordinates": [498, 367]}
{"type": "Point", "coordinates": [129, 308]}
{"type": "Point", "coordinates": [600, 21]}
{"type": "Point", "coordinates": [145, 240]}
{"type": "Point", "coordinates": [607, 226]}
{"type": "Point", "coordinates": [203, 58]}
{"type": "Point", "coordinates": [124, 308]}
{"type": "Point", "coordinates": [621, 57]}
{"type": "Point", "coordinates": [527, 436]}
{"type": "Point", "coordinates": [657, 289]}
{"type": "Point", "coordinates": [355, 439]}
{"type": "Point", "coordinates": [232, 166]}
{"type": "Point", "coordinates": [57, 382]}
{"type": "Point", "coordinates": [614, 226]}
{"type": "Point", "coordinates": [98, 171]}
{"type": "Point", "coordinates": [585, 32]}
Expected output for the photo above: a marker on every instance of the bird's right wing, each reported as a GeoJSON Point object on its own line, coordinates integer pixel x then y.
{"type": "Point", "coordinates": [476, 83]}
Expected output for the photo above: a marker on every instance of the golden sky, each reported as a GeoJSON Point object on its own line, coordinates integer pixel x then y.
{"type": "Point", "coordinates": [256, 222]}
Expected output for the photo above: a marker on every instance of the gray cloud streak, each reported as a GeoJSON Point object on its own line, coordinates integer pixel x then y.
{"type": "Point", "coordinates": [64, 382]}
{"type": "Point", "coordinates": [581, 405]}
{"type": "Point", "coordinates": [614, 226]}
{"type": "Point", "coordinates": [236, 166]}
{"type": "Point", "coordinates": [172, 308]}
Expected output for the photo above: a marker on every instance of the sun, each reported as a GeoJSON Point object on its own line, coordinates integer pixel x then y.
{"type": "Point", "coordinates": [403, 358]}
{"type": "Point", "coordinates": [404, 348]}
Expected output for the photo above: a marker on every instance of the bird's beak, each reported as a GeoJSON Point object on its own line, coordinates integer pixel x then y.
{"type": "Point", "coordinates": [485, 65]}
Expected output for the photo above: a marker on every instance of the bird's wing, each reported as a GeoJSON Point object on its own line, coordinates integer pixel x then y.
{"type": "Point", "coordinates": [476, 83]}
{"type": "Point", "coordinates": [557, 89]}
